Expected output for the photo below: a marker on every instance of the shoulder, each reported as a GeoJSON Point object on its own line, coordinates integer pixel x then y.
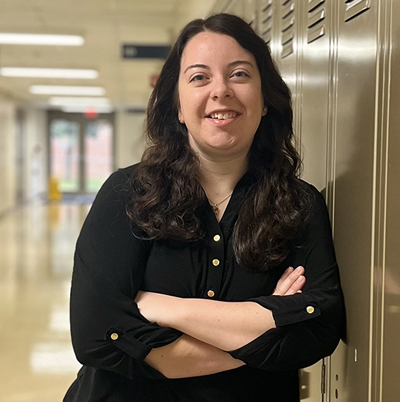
{"type": "Point", "coordinates": [119, 180]}
{"type": "Point", "coordinates": [316, 196]}
{"type": "Point", "coordinates": [125, 173]}
{"type": "Point", "coordinates": [318, 216]}
{"type": "Point", "coordinates": [116, 186]}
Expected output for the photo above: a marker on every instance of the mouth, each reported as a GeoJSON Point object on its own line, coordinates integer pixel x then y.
{"type": "Point", "coordinates": [223, 115]}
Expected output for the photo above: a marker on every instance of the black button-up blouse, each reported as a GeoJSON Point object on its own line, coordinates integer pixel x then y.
{"type": "Point", "coordinates": [111, 338]}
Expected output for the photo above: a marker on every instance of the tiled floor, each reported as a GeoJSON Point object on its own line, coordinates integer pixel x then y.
{"type": "Point", "coordinates": [37, 363]}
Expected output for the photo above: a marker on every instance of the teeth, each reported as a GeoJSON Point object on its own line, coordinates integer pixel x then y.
{"type": "Point", "coordinates": [221, 116]}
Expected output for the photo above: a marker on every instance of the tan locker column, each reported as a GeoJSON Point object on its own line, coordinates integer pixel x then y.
{"type": "Point", "coordinates": [354, 195]}
{"type": "Point", "coordinates": [313, 93]}
{"type": "Point", "coordinates": [391, 284]}
{"type": "Point", "coordinates": [315, 90]}
{"type": "Point", "coordinates": [292, 22]}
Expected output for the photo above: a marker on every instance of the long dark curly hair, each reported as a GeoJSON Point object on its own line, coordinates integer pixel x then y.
{"type": "Point", "coordinates": [165, 194]}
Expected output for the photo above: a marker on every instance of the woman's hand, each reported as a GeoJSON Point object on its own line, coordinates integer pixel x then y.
{"type": "Point", "coordinates": [291, 282]}
{"type": "Point", "coordinates": [156, 307]}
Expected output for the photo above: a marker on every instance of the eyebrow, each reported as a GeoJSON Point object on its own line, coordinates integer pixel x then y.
{"type": "Point", "coordinates": [235, 63]}
{"type": "Point", "coordinates": [196, 66]}
{"type": "Point", "coordinates": [232, 64]}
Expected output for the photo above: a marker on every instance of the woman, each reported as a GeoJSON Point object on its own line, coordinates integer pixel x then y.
{"type": "Point", "coordinates": [193, 297]}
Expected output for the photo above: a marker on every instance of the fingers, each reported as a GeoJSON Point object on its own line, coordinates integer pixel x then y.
{"type": "Point", "coordinates": [286, 274]}
{"type": "Point", "coordinates": [291, 282]}
{"type": "Point", "coordinates": [297, 286]}
{"type": "Point", "coordinates": [284, 277]}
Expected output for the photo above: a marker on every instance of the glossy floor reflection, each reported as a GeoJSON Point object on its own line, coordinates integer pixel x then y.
{"type": "Point", "coordinates": [37, 363]}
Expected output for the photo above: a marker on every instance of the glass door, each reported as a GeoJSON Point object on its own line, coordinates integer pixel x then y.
{"type": "Point", "coordinates": [98, 145]}
{"type": "Point", "coordinates": [81, 151]}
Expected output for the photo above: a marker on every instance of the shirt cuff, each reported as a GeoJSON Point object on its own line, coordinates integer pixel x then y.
{"type": "Point", "coordinates": [289, 309]}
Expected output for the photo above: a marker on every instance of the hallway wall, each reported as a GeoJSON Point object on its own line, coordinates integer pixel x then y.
{"type": "Point", "coordinates": [36, 153]}
{"type": "Point", "coordinates": [7, 155]}
{"type": "Point", "coordinates": [129, 138]}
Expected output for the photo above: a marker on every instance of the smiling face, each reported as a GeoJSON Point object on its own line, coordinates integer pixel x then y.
{"type": "Point", "coordinates": [220, 95]}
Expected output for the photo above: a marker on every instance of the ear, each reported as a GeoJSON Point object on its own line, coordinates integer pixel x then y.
{"type": "Point", "coordinates": [265, 111]}
{"type": "Point", "coordinates": [180, 117]}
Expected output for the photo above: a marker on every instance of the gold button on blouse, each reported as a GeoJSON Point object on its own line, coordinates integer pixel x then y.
{"type": "Point", "coordinates": [215, 262]}
{"type": "Point", "coordinates": [310, 309]}
{"type": "Point", "coordinates": [217, 237]}
{"type": "Point", "coordinates": [114, 336]}
{"type": "Point", "coordinates": [210, 293]}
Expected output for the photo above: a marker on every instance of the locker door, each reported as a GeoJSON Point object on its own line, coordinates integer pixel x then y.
{"type": "Point", "coordinates": [354, 193]}
{"type": "Point", "coordinates": [315, 84]}
{"type": "Point", "coordinates": [304, 67]}
{"type": "Point", "coordinates": [390, 21]}
{"type": "Point", "coordinates": [287, 18]}
{"type": "Point", "coordinates": [311, 123]}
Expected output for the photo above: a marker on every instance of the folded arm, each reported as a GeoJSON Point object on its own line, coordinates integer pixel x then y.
{"type": "Point", "coordinates": [224, 325]}
{"type": "Point", "coordinates": [189, 357]}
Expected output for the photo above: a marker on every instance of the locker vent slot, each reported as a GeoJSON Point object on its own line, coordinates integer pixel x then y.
{"type": "Point", "coordinates": [316, 20]}
{"type": "Point", "coordinates": [287, 27]}
{"type": "Point", "coordinates": [266, 20]}
{"type": "Point", "coordinates": [355, 7]}
{"type": "Point", "coordinates": [287, 9]}
{"type": "Point", "coordinates": [312, 4]}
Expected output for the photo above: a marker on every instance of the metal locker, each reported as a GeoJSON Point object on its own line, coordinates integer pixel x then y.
{"type": "Point", "coordinates": [390, 19]}
{"type": "Point", "coordinates": [353, 199]}
{"type": "Point", "coordinates": [311, 103]}
{"type": "Point", "coordinates": [314, 89]}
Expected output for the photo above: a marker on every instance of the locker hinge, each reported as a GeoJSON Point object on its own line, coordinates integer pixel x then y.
{"type": "Point", "coordinates": [323, 372]}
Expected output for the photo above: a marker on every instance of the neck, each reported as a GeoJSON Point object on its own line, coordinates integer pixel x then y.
{"type": "Point", "coordinates": [219, 178]}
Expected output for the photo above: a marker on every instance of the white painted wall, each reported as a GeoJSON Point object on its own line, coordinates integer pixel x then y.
{"type": "Point", "coordinates": [35, 174]}
{"type": "Point", "coordinates": [129, 138]}
{"type": "Point", "coordinates": [7, 154]}
{"type": "Point", "coordinates": [34, 157]}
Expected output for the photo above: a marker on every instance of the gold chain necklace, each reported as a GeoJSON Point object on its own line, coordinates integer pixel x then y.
{"type": "Point", "coordinates": [215, 205]}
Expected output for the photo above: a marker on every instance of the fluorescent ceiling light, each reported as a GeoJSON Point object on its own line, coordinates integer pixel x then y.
{"type": "Point", "coordinates": [82, 109]}
{"type": "Point", "coordinates": [78, 101]}
{"type": "Point", "coordinates": [48, 72]}
{"type": "Point", "coordinates": [66, 90]}
{"type": "Point", "coordinates": [40, 39]}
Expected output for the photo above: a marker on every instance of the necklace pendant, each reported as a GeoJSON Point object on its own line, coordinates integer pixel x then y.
{"type": "Point", "coordinates": [215, 208]}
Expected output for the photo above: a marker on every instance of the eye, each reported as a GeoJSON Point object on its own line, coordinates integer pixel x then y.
{"type": "Point", "coordinates": [197, 78]}
{"type": "Point", "coordinates": [240, 74]}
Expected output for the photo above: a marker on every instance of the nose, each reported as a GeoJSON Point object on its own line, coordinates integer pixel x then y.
{"type": "Point", "coordinates": [221, 89]}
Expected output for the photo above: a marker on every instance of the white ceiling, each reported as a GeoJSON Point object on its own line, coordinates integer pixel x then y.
{"type": "Point", "coordinates": [105, 26]}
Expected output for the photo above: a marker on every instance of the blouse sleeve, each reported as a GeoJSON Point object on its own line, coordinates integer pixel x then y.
{"type": "Point", "coordinates": [107, 329]}
{"type": "Point", "coordinates": [308, 325]}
